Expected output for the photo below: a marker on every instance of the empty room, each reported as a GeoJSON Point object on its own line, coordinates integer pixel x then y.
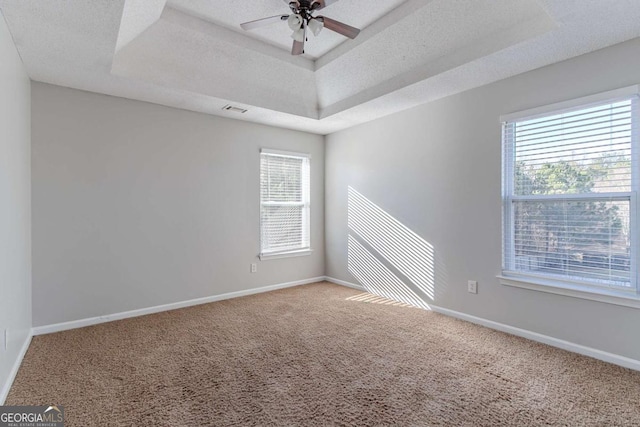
{"type": "Point", "coordinates": [319, 212]}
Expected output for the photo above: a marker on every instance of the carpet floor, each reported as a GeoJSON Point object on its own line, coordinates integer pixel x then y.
{"type": "Point", "coordinates": [317, 354]}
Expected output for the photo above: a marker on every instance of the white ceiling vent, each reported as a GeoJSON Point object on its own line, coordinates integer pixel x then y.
{"type": "Point", "coordinates": [234, 109]}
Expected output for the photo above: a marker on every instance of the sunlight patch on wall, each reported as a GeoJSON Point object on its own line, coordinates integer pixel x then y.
{"type": "Point", "coordinates": [377, 278]}
{"type": "Point", "coordinates": [402, 248]}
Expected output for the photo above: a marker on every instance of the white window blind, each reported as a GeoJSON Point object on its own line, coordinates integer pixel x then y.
{"type": "Point", "coordinates": [569, 194]}
{"type": "Point", "coordinates": [284, 202]}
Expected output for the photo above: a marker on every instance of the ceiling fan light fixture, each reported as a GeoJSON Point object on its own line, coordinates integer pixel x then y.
{"type": "Point", "coordinates": [316, 25]}
{"type": "Point", "coordinates": [295, 21]}
{"type": "Point", "coordinates": [298, 35]}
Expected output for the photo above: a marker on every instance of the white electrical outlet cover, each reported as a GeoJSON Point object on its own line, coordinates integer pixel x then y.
{"type": "Point", "coordinates": [472, 286]}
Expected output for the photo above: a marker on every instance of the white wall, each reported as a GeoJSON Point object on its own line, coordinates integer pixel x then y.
{"type": "Point", "coordinates": [15, 205]}
{"type": "Point", "coordinates": [437, 170]}
{"type": "Point", "coordinates": [137, 205]}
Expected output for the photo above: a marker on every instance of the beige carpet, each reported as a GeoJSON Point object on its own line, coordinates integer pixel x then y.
{"type": "Point", "coordinates": [315, 355]}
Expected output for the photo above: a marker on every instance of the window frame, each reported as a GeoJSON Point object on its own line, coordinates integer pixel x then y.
{"type": "Point", "coordinates": [556, 284]}
{"type": "Point", "coordinates": [305, 204]}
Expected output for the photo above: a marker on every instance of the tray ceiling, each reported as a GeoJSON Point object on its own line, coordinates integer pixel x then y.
{"type": "Point", "coordinates": [192, 54]}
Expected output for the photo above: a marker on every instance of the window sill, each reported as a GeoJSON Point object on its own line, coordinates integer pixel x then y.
{"type": "Point", "coordinates": [572, 290]}
{"type": "Point", "coordinates": [290, 254]}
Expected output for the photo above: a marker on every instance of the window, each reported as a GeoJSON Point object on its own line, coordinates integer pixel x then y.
{"type": "Point", "coordinates": [569, 194]}
{"type": "Point", "coordinates": [284, 204]}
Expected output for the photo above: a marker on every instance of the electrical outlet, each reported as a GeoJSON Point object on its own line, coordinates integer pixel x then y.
{"type": "Point", "coordinates": [254, 267]}
{"type": "Point", "coordinates": [472, 286]}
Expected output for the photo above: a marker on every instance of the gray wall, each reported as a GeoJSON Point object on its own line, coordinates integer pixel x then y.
{"type": "Point", "coordinates": [15, 204]}
{"type": "Point", "coordinates": [137, 205]}
{"type": "Point", "coordinates": [436, 169]}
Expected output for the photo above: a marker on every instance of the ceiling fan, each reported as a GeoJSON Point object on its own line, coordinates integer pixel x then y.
{"type": "Point", "coordinates": [301, 19]}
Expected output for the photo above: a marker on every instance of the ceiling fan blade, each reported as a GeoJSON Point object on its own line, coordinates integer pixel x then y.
{"type": "Point", "coordinates": [321, 4]}
{"type": "Point", "coordinates": [339, 27]}
{"type": "Point", "coordinates": [252, 25]}
{"type": "Point", "coordinates": [298, 47]}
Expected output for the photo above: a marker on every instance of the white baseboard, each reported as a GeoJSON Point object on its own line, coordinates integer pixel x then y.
{"type": "Point", "coordinates": [545, 339]}
{"type": "Point", "coordinates": [534, 336]}
{"type": "Point", "coordinates": [81, 323]}
{"type": "Point", "coordinates": [14, 370]}
{"type": "Point", "coordinates": [345, 283]}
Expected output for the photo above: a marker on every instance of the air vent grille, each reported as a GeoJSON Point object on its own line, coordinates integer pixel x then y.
{"type": "Point", "coordinates": [234, 109]}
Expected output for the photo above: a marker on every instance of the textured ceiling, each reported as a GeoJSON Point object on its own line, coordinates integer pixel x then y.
{"type": "Point", "coordinates": [191, 54]}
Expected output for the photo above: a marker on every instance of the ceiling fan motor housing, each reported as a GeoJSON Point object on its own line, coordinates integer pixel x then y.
{"type": "Point", "coordinates": [305, 7]}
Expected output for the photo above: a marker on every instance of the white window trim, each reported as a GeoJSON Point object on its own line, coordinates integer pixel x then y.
{"type": "Point", "coordinates": [285, 254]}
{"type": "Point", "coordinates": [264, 256]}
{"type": "Point", "coordinates": [575, 290]}
{"type": "Point", "coordinates": [560, 107]}
{"type": "Point", "coordinates": [285, 153]}
{"type": "Point", "coordinates": [566, 287]}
